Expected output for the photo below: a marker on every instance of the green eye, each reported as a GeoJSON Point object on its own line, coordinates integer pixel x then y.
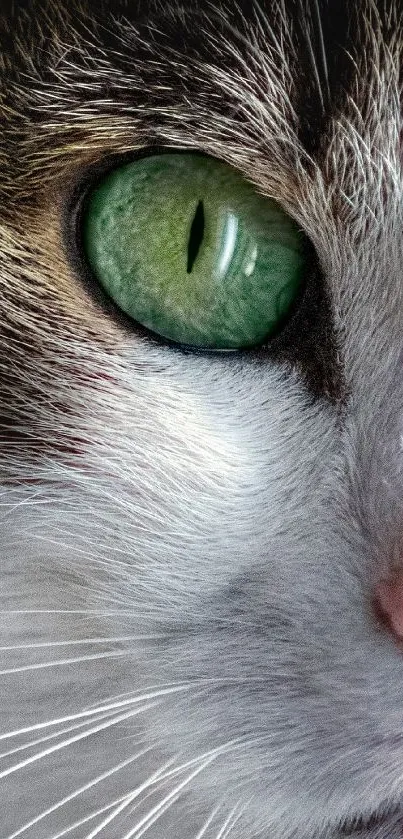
{"type": "Point", "coordinates": [186, 247]}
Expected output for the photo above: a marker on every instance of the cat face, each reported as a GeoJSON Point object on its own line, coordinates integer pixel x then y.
{"type": "Point", "coordinates": [190, 539]}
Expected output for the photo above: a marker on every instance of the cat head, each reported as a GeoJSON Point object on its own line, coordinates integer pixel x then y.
{"type": "Point", "coordinates": [191, 539]}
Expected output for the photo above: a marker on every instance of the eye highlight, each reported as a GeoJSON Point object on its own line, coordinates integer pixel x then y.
{"type": "Point", "coordinates": [186, 247]}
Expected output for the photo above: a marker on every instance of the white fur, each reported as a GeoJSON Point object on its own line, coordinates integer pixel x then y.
{"type": "Point", "coordinates": [188, 543]}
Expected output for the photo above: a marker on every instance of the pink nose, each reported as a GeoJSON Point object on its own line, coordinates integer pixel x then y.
{"type": "Point", "coordinates": [388, 602]}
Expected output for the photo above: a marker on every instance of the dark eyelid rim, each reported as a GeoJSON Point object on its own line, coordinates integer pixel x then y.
{"type": "Point", "coordinates": [74, 205]}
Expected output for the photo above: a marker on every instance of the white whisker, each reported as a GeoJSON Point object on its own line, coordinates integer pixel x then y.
{"type": "Point", "coordinates": [156, 776]}
{"type": "Point", "coordinates": [58, 746]}
{"type": "Point", "coordinates": [230, 821]}
{"type": "Point", "coordinates": [207, 823]}
{"type": "Point", "coordinates": [63, 662]}
{"type": "Point", "coordinates": [55, 734]}
{"type": "Point", "coordinates": [78, 792]}
{"type": "Point", "coordinates": [92, 712]}
{"type": "Point", "coordinates": [153, 691]}
{"type": "Point", "coordinates": [81, 641]}
{"type": "Point", "coordinates": [86, 819]}
{"type": "Point", "coordinates": [147, 821]}
{"type": "Point", "coordinates": [319, 29]}
{"type": "Point", "coordinates": [154, 781]}
{"type": "Point", "coordinates": [90, 612]}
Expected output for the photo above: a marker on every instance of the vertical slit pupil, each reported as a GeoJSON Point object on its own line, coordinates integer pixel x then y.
{"type": "Point", "coordinates": [196, 236]}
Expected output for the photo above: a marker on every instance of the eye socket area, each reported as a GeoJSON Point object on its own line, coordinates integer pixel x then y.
{"type": "Point", "coordinates": [189, 251]}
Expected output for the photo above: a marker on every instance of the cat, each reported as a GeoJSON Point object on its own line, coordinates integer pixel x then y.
{"type": "Point", "coordinates": [194, 543]}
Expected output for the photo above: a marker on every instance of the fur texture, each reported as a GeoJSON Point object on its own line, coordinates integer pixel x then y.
{"type": "Point", "coordinates": [189, 542]}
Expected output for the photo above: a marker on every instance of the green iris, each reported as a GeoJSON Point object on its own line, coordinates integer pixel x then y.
{"type": "Point", "coordinates": [187, 248]}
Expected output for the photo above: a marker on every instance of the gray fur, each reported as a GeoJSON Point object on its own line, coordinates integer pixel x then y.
{"type": "Point", "coordinates": [189, 543]}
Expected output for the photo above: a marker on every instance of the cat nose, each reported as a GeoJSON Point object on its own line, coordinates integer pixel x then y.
{"type": "Point", "coordinates": [388, 603]}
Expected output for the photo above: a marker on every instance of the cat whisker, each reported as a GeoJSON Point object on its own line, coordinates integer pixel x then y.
{"type": "Point", "coordinates": [85, 820]}
{"type": "Point", "coordinates": [55, 735]}
{"type": "Point", "coordinates": [153, 778]}
{"type": "Point", "coordinates": [156, 779]}
{"type": "Point", "coordinates": [103, 726]}
{"type": "Point", "coordinates": [82, 641]}
{"type": "Point", "coordinates": [231, 821]}
{"type": "Point", "coordinates": [10, 507]}
{"type": "Point", "coordinates": [159, 780]}
{"type": "Point", "coordinates": [63, 662]}
{"type": "Point", "coordinates": [85, 612]}
{"type": "Point", "coordinates": [95, 710]}
{"type": "Point", "coordinates": [152, 692]}
{"type": "Point", "coordinates": [76, 793]}
{"type": "Point", "coordinates": [147, 821]}
{"type": "Point", "coordinates": [207, 823]}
